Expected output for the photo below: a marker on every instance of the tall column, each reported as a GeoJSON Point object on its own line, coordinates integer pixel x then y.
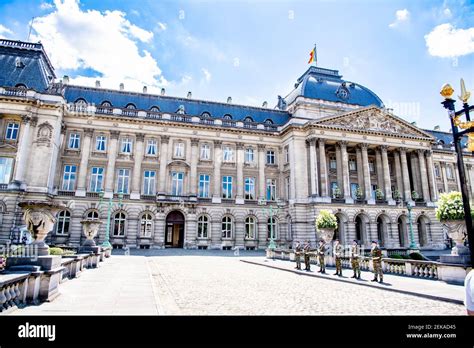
{"type": "Point", "coordinates": [398, 172]}
{"type": "Point", "coordinates": [163, 164]}
{"type": "Point", "coordinates": [386, 176]}
{"type": "Point", "coordinates": [112, 155]}
{"type": "Point", "coordinates": [261, 171]}
{"type": "Point", "coordinates": [431, 177]}
{"type": "Point", "coordinates": [137, 166]}
{"type": "Point", "coordinates": [313, 167]}
{"type": "Point", "coordinates": [239, 199]}
{"type": "Point", "coordinates": [323, 169]}
{"type": "Point", "coordinates": [405, 175]}
{"type": "Point", "coordinates": [85, 152]}
{"type": "Point", "coordinates": [216, 195]}
{"type": "Point", "coordinates": [379, 166]}
{"type": "Point", "coordinates": [470, 176]}
{"type": "Point", "coordinates": [360, 172]}
{"type": "Point", "coordinates": [345, 172]}
{"type": "Point", "coordinates": [415, 172]}
{"type": "Point", "coordinates": [423, 174]}
{"type": "Point", "coordinates": [456, 174]}
{"type": "Point", "coordinates": [366, 172]}
{"type": "Point", "coordinates": [445, 178]}
{"type": "Point", "coordinates": [23, 152]}
{"type": "Point", "coordinates": [194, 163]}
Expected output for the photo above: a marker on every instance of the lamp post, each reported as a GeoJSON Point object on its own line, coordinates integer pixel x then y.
{"type": "Point", "coordinates": [270, 212]}
{"type": "Point", "coordinates": [468, 128]}
{"type": "Point", "coordinates": [106, 243]}
{"type": "Point", "coordinates": [410, 222]}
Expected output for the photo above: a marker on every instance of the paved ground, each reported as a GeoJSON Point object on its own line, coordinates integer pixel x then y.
{"type": "Point", "coordinates": [217, 282]}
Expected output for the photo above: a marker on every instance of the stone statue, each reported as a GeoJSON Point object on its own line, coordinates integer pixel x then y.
{"type": "Point", "coordinates": [90, 228]}
{"type": "Point", "coordinates": [181, 110]}
{"type": "Point", "coordinates": [281, 103]}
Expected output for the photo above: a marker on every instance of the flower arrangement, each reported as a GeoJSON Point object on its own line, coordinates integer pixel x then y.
{"type": "Point", "coordinates": [358, 193]}
{"type": "Point", "coordinates": [415, 195]}
{"type": "Point", "coordinates": [450, 207]}
{"type": "Point", "coordinates": [396, 195]}
{"type": "Point", "coordinates": [326, 219]}
{"type": "Point", "coordinates": [336, 192]}
{"type": "Point", "coordinates": [379, 194]}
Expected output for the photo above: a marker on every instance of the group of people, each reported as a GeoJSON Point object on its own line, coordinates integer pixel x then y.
{"type": "Point", "coordinates": [338, 252]}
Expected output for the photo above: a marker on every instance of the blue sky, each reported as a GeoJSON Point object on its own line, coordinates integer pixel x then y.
{"type": "Point", "coordinates": [255, 50]}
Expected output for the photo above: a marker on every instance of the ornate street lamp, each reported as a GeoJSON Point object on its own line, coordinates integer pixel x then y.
{"type": "Point", "coordinates": [106, 243]}
{"type": "Point", "coordinates": [468, 128]}
{"type": "Point", "coordinates": [412, 245]}
{"type": "Point", "coordinates": [270, 211]}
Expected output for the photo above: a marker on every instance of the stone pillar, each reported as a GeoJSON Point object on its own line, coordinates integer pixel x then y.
{"type": "Point", "coordinates": [470, 176]}
{"type": "Point", "coordinates": [415, 172]}
{"type": "Point", "coordinates": [431, 176]}
{"type": "Point", "coordinates": [261, 171]}
{"type": "Point", "coordinates": [323, 169]}
{"type": "Point", "coordinates": [345, 172]}
{"type": "Point", "coordinates": [194, 164]}
{"type": "Point", "coordinates": [216, 196]}
{"type": "Point", "coordinates": [85, 152]}
{"type": "Point", "coordinates": [339, 179]}
{"type": "Point", "coordinates": [163, 164]}
{"type": "Point", "coordinates": [386, 176]}
{"type": "Point", "coordinates": [379, 166]}
{"type": "Point", "coordinates": [456, 175]}
{"type": "Point", "coordinates": [137, 166]}
{"type": "Point", "coordinates": [23, 151]}
{"type": "Point", "coordinates": [445, 178]}
{"type": "Point", "coordinates": [313, 165]}
{"type": "Point", "coordinates": [424, 176]}
{"type": "Point", "coordinates": [112, 155]}
{"type": "Point", "coordinates": [366, 174]}
{"type": "Point", "coordinates": [360, 172]}
{"type": "Point", "coordinates": [239, 199]}
{"type": "Point", "coordinates": [398, 172]}
{"type": "Point", "coordinates": [405, 175]}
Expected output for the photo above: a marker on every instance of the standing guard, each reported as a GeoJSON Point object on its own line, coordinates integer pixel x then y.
{"type": "Point", "coordinates": [337, 252]}
{"type": "Point", "coordinates": [321, 252]}
{"type": "Point", "coordinates": [298, 250]}
{"type": "Point", "coordinates": [307, 249]}
{"type": "Point", "coordinates": [355, 259]}
{"type": "Point", "coordinates": [376, 255]}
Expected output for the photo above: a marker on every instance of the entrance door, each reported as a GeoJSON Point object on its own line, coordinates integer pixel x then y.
{"type": "Point", "coordinates": [174, 237]}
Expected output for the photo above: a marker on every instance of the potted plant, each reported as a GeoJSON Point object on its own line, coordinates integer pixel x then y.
{"type": "Point", "coordinates": [415, 196]}
{"type": "Point", "coordinates": [379, 195]}
{"type": "Point", "coordinates": [336, 192]}
{"type": "Point", "coordinates": [358, 193]}
{"type": "Point", "coordinates": [326, 223]}
{"type": "Point", "coordinates": [396, 195]}
{"type": "Point", "coordinates": [450, 212]}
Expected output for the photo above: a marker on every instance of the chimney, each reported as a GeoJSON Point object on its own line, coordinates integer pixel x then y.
{"type": "Point", "coordinates": [190, 95]}
{"type": "Point", "coordinates": [163, 91]}
{"type": "Point", "coordinates": [65, 79]}
{"type": "Point", "coordinates": [437, 128]}
{"type": "Point", "coordinates": [265, 104]}
{"type": "Point", "coordinates": [97, 84]}
{"type": "Point", "coordinates": [122, 87]}
{"type": "Point", "coordinates": [145, 89]}
{"type": "Point", "coordinates": [229, 100]}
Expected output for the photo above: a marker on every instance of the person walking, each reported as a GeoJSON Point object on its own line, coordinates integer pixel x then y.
{"type": "Point", "coordinates": [376, 255]}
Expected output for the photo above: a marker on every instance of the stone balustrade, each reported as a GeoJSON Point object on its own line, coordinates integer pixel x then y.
{"type": "Point", "coordinates": [13, 289]}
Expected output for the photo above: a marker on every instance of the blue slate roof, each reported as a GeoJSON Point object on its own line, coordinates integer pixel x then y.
{"type": "Point", "coordinates": [446, 138]}
{"type": "Point", "coordinates": [327, 84]}
{"type": "Point", "coordinates": [193, 107]}
{"type": "Point", "coordinates": [23, 63]}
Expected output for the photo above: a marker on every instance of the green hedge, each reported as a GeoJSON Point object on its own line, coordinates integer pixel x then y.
{"type": "Point", "coordinates": [56, 251]}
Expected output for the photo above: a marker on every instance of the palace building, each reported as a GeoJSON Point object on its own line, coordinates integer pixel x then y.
{"type": "Point", "coordinates": [181, 172]}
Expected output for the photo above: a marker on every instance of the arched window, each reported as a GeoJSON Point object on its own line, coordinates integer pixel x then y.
{"type": "Point", "coordinates": [227, 117]}
{"type": "Point", "coordinates": [227, 226]}
{"type": "Point", "coordinates": [289, 228]}
{"type": "Point", "coordinates": [93, 215]}
{"type": "Point", "coordinates": [155, 109]}
{"type": "Point", "coordinates": [268, 121]}
{"type": "Point", "coordinates": [272, 228]}
{"type": "Point", "coordinates": [205, 114]}
{"type": "Point", "coordinates": [359, 230]}
{"type": "Point", "coordinates": [21, 86]}
{"type": "Point", "coordinates": [119, 224]}
{"type": "Point", "coordinates": [130, 106]}
{"type": "Point", "coordinates": [248, 119]}
{"type": "Point", "coordinates": [203, 227]}
{"type": "Point", "coordinates": [401, 224]}
{"type": "Point", "coordinates": [62, 224]}
{"type": "Point", "coordinates": [250, 228]}
{"type": "Point", "coordinates": [146, 225]}
{"type": "Point", "coordinates": [106, 104]}
{"type": "Point", "coordinates": [80, 101]}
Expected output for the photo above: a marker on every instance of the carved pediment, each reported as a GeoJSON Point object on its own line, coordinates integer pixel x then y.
{"type": "Point", "coordinates": [374, 120]}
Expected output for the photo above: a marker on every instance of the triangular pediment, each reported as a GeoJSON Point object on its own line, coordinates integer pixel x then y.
{"type": "Point", "coordinates": [373, 119]}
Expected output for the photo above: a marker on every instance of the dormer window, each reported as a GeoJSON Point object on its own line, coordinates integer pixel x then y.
{"type": "Point", "coordinates": [268, 121]}
{"type": "Point", "coordinates": [206, 115]}
{"type": "Point", "coordinates": [248, 119]}
{"type": "Point", "coordinates": [130, 106]}
{"type": "Point", "coordinates": [227, 117]}
{"type": "Point", "coordinates": [106, 104]}
{"type": "Point", "coordinates": [155, 109]}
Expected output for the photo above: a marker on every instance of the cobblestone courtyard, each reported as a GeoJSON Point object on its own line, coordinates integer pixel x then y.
{"type": "Point", "coordinates": [206, 282]}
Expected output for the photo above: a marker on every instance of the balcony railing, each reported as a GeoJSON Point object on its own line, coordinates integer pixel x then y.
{"type": "Point", "coordinates": [153, 115]}
{"type": "Point", "coordinates": [227, 123]}
{"type": "Point", "coordinates": [129, 112]}
{"type": "Point", "coordinates": [250, 125]}
{"type": "Point", "coordinates": [92, 194]}
{"type": "Point", "coordinates": [209, 121]}
{"type": "Point", "coordinates": [14, 92]}
{"type": "Point", "coordinates": [104, 110]}
{"type": "Point", "coordinates": [181, 118]}
{"type": "Point", "coordinates": [66, 193]}
{"type": "Point", "coordinates": [3, 187]}
{"type": "Point", "coordinates": [148, 197]}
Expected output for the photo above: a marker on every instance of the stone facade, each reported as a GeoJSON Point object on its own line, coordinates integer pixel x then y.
{"type": "Point", "coordinates": [190, 180]}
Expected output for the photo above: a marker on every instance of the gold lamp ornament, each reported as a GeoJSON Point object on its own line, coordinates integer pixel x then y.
{"type": "Point", "coordinates": [464, 97]}
{"type": "Point", "coordinates": [446, 91]}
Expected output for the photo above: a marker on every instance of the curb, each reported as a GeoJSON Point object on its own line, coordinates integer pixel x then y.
{"type": "Point", "coordinates": [406, 292]}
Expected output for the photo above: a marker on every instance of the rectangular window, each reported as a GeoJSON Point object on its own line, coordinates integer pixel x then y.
{"type": "Point", "coordinates": [354, 188]}
{"type": "Point", "coordinates": [250, 188]}
{"type": "Point", "coordinates": [228, 154]}
{"type": "Point", "coordinates": [287, 154]}
{"type": "Point", "coordinates": [74, 141]}
{"type": "Point", "coordinates": [6, 167]}
{"type": "Point", "coordinates": [123, 180]}
{"type": "Point", "coordinates": [12, 131]}
{"type": "Point", "coordinates": [126, 145]}
{"type": "Point", "coordinates": [226, 187]}
{"type": "Point", "coordinates": [287, 184]}
{"type": "Point", "coordinates": [204, 184]}
{"type": "Point", "coordinates": [270, 157]}
{"type": "Point", "coordinates": [205, 152]}
{"type": "Point", "coordinates": [332, 162]}
{"type": "Point", "coordinates": [149, 182]}
{"type": "Point", "coordinates": [177, 179]}
{"type": "Point", "coordinates": [352, 164]}
{"type": "Point", "coordinates": [334, 189]}
{"type": "Point", "coordinates": [249, 155]}
{"type": "Point", "coordinates": [449, 172]}
{"type": "Point", "coordinates": [101, 143]}
{"type": "Point", "coordinates": [271, 190]}
{"type": "Point", "coordinates": [437, 171]}
{"type": "Point", "coordinates": [97, 178]}
{"type": "Point", "coordinates": [151, 147]}
{"type": "Point", "coordinates": [179, 150]}
{"type": "Point", "coordinates": [374, 188]}
{"type": "Point", "coordinates": [371, 166]}
{"type": "Point", "coordinates": [69, 178]}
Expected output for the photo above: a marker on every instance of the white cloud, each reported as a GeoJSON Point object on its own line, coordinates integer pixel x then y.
{"type": "Point", "coordinates": [161, 26]}
{"type": "Point", "coordinates": [447, 12]}
{"type": "Point", "coordinates": [46, 6]}
{"type": "Point", "coordinates": [448, 42]}
{"type": "Point", "coordinates": [207, 74]}
{"type": "Point", "coordinates": [5, 31]}
{"type": "Point", "coordinates": [135, 13]}
{"type": "Point", "coordinates": [401, 16]}
{"type": "Point", "coordinates": [103, 41]}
